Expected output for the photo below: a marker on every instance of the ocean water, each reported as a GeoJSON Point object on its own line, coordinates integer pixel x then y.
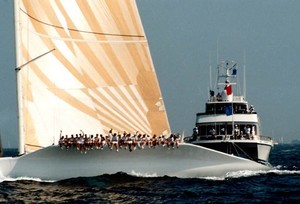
{"type": "Point", "coordinates": [280, 185]}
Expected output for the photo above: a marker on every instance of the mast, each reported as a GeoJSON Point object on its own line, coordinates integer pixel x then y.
{"type": "Point", "coordinates": [1, 148]}
{"type": "Point", "coordinates": [227, 77]}
{"type": "Point", "coordinates": [19, 78]}
{"type": "Point", "coordinates": [19, 66]}
{"type": "Point", "coordinates": [227, 71]}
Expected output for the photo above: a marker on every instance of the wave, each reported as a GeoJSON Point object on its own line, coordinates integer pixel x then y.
{"type": "Point", "coordinates": [252, 173]}
{"type": "Point", "coordinates": [121, 177]}
{"type": "Point", "coordinates": [248, 173]}
{"type": "Point", "coordinates": [144, 175]}
{"type": "Point", "coordinates": [3, 179]}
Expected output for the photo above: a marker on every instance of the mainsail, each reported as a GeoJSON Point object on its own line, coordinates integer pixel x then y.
{"type": "Point", "coordinates": [84, 65]}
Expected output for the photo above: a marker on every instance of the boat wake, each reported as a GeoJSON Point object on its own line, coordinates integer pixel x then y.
{"type": "Point", "coordinates": [9, 179]}
{"type": "Point", "coordinates": [136, 175]}
{"type": "Point", "coordinates": [247, 173]}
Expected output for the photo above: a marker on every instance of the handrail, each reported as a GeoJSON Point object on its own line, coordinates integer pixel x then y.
{"type": "Point", "coordinates": [225, 137]}
{"type": "Point", "coordinates": [265, 138]}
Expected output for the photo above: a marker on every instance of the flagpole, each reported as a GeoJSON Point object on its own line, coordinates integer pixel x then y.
{"type": "Point", "coordinates": [232, 118]}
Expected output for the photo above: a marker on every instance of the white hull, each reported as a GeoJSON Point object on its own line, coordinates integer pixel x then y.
{"type": "Point", "coordinates": [188, 160]}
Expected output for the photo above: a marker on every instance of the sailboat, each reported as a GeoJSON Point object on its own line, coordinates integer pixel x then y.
{"type": "Point", "coordinates": [86, 66]}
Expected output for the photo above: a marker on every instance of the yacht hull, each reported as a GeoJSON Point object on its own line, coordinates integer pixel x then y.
{"type": "Point", "coordinates": [53, 163]}
{"type": "Point", "coordinates": [251, 149]}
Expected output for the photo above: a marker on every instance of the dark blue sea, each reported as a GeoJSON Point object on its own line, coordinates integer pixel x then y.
{"type": "Point", "coordinates": [281, 185]}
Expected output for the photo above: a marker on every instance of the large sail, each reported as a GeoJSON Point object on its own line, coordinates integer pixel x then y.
{"type": "Point", "coordinates": [84, 65]}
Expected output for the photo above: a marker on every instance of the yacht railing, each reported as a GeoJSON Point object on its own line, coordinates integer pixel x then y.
{"type": "Point", "coordinates": [226, 137]}
{"type": "Point", "coordinates": [265, 138]}
{"type": "Point", "coordinates": [234, 99]}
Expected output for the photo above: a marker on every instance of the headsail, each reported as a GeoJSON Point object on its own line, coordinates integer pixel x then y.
{"type": "Point", "coordinates": [84, 65]}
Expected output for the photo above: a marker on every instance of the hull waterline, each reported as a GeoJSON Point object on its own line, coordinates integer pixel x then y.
{"type": "Point", "coordinates": [53, 163]}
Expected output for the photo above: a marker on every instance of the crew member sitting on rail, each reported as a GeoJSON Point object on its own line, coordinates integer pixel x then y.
{"type": "Point", "coordinates": [114, 142]}
{"type": "Point", "coordinates": [61, 141]}
{"type": "Point", "coordinates": [84, 142]}
{"type": "Point", "coordinates": [103, 142]}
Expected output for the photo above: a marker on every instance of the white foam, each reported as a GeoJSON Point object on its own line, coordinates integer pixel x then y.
{"type": "Point", "coordinates": [148, 175]}
{"type": "Point", "coordinates": [214, 178]}
{"type": "Point", "coordinates": [284, 172]}
{"type": "Point", "coordinates": [250, 173]}
{"type": "Point", "coordinates": [2, 178]}
{"type": "Point", "coordinates": [245, 173]}
{"type": "Point", "coordinates": [235, 174]}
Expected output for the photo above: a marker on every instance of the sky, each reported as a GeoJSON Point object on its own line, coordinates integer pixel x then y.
{"type": "Point", "coordinates": [185, 37]}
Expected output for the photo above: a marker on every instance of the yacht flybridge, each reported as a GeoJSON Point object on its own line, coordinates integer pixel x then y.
{"type": "Point", "coordinates": [229, 124]}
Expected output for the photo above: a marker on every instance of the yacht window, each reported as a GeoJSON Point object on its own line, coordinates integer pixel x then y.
{"type": "Point", "coordinates": [226, 129]}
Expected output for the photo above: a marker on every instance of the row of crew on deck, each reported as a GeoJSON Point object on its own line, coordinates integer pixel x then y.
{"type": "Point", "coordinates": [84, 142]}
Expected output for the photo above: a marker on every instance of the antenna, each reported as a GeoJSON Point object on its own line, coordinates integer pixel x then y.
{"type": "Point", "coordinates": [218, 66]}
{"type": "Point", "coordinates": [210, 86]}
{"type": "Point", "coordinates": [218, 51]}
{"type": "Point", "coordinates": [244, 75]}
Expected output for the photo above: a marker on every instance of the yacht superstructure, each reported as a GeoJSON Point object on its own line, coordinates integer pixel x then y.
{"type": "Point", "coordinates": [229, 124]}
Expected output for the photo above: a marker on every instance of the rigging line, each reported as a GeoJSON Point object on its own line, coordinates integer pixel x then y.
{"type": "Point", "coordinates": [20, 67]}
{"type": "Point", "coordinates": [82, 31]}
{"type": "Point", "coordinates": [235, 145]}
{"type": "Point", "coordinates": [33, 145]}
{"type": "Point", "coordinates": [237, 152]}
